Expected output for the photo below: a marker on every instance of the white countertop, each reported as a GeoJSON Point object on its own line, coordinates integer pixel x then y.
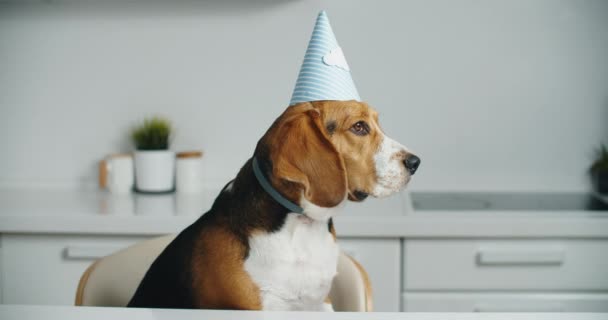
{"type": "Point", "coordinates": [98, 212]}
{"type": "Point", "coordinates": [10, 312]}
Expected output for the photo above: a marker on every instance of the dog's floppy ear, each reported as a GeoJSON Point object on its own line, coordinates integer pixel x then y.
{"type": "Point", "coordinates": [302, 153]}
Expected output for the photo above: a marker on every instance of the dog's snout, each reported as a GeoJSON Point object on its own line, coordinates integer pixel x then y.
{"type": "Point", "coordinates": [412, 163]}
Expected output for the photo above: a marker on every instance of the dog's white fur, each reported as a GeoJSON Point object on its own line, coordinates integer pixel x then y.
{"type": "Point", "coordinates": [294, 267]}
{"type": "Point", "coordinates": [390, 171]}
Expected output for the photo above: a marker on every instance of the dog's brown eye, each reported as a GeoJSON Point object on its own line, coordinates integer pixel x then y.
{"type": "Point", "coordinates": [360, 128]}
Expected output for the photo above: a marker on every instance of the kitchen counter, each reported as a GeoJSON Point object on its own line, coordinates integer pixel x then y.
{"type": "Point", "coordinates": [98, 212]}
{"type": "Point", "coordinates": [10, 312]}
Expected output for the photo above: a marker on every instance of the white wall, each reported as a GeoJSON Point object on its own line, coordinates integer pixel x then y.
{"type": "Point", "coordinates": [500, 95]}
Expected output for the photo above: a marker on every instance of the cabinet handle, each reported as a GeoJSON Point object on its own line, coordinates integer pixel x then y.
{"type": "Point", "coordinates": [80, 252]}
{"type": "Point", "coordinates": [553, 307]}
{"type": "Point", "coordinates": [527, 257]}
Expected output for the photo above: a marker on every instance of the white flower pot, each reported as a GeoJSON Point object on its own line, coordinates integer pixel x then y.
{"type": "Point", "coordinates": [154, 170]}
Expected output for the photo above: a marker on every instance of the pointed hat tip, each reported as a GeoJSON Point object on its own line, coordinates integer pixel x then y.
{"type": "Point", "coordinates": [324, 74]}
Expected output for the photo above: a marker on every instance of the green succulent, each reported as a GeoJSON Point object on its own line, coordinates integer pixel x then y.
{"type": "Point", "coordinates": [153, 134]}
{"type": "Point", "coordinates": [601, 159]}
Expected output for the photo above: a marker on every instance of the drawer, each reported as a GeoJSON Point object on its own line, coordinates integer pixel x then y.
{"type": "Point", "coordinates": [381, 258]}
{"type": "Point", "coordinates": [503, 302]}
{"type": "Point", "coordinates": [524, 264]}
{"type": "Point", "coordinates": [45, 269]}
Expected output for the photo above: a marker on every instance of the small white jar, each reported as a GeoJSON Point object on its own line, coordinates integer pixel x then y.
{"type": "Point", "coordinates": [189, 173]}
{"type": "Point", "coordinates": [116, 173]}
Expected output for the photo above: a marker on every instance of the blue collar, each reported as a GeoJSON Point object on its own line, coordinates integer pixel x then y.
{"type": "Point", "coordinates": [272, 191]}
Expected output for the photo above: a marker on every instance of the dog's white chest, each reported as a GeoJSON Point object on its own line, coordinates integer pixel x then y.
{"type": "Point", "coordinates": [293, 267]}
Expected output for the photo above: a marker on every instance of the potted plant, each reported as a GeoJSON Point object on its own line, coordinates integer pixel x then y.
{"type": "Point", "coordinates": [154, 162]}
{"type": "Point", "coordinates": [599, 170]}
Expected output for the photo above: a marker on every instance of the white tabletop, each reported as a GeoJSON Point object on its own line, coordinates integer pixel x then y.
{"type": "Point", "coordinates": [98, 212]}
{"type": "Point", "coordinates": [10, 312]}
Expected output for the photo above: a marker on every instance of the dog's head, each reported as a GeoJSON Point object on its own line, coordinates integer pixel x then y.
{"type": "Point", "coordinates": [322, 152]}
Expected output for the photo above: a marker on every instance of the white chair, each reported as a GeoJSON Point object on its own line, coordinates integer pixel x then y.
{"type": "Point", "coordinates": [112, 280]}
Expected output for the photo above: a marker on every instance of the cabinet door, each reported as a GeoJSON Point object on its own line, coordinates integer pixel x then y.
{"type": "Point", "coordinates": [504, 302]}
{"type": "Point", "coordinates": [45, 269]}
{"type": "Point", "coordinates": [381, 259]}
{"type": "Point", "coordinates": [506, 264]}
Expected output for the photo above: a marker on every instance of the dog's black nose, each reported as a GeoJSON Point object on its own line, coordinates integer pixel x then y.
{"type": "Point", "coordinates": [411, 163]}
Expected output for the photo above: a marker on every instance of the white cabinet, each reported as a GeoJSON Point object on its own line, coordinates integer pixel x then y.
{"type": "Point", "coordinates": [473, 275]}
{"type": "Point", "coordinates": [493, 275]}
{"type": "Point", "coordinates": [381, 258]}
{"type": "Point", "coordinates": [525, 264]}
{"type": "Point", "coordinates": [45, 269]}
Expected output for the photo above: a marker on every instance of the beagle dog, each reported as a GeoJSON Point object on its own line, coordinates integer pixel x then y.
{"type": "Point", "coordinates": [268, 241]}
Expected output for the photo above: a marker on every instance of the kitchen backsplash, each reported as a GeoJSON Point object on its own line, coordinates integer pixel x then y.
{"type": "Point", "coordinates": [515, 101]}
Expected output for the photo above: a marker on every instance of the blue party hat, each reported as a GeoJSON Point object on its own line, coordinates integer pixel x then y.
{"type": "Point", "coordinates": [324, 75]}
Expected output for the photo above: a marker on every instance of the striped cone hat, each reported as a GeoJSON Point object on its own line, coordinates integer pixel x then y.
{"type": "Point", "coordinates": [324, 75]}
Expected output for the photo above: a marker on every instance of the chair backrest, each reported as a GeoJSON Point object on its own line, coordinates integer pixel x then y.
{"type": "Point", "coordinates": [112, 280]}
